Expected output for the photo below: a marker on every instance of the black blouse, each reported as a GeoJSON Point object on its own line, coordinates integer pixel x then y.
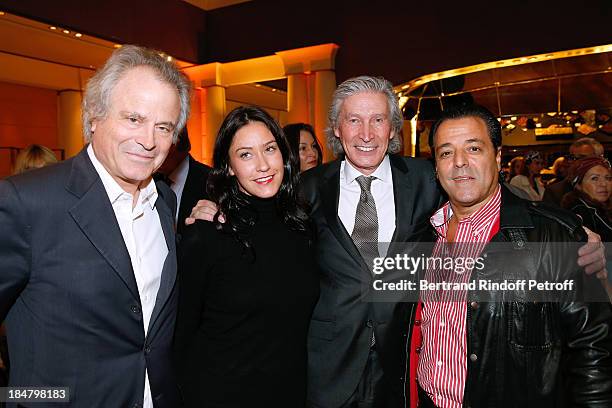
{"type": "Point", "coordinates": [243, 316]}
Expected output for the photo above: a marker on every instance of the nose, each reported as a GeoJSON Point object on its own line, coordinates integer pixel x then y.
{"type": "Point", "coordinates": [262, 163]}
{"type": "Point", "coordinates": [459, 159]}
{"type": "Point", "coordinates": [310, 152]}
{"type": "Point", "coordinates": [366, 133]}
{"type": "Point", "coordinates": [146, 138]}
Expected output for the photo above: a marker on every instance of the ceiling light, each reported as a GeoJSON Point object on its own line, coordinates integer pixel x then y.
{"type": "Point", "coordinates": [117, 45]}
{"type": "Point", "coordinates": [168, 58]}
{"type": "Point", "coordinates": [78, 35]}
{"type": "Point", "coordinates": [66, 31]}
{"type": "Point", "coordinates": [1, 13]}
{"type": "Point", "coordinates": [53, 28]}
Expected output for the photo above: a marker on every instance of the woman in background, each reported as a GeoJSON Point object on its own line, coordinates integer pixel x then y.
{"type": "Point", "coordinates": [33, 157]}
{"type": "Point", "coordinates": [592, 181]}
{"type": "Point", "coordinates": [529, 179]}
{"type": "Point", "coordinates": [304, 145]}
{"type": "Point", "coordinates": [591, 178]}
{"type": "Point", "coordinates": [247, 286]}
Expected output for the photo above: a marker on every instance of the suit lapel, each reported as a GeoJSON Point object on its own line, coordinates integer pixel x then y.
{"type": "Point", "coordinates": [168, 278]}
{"type": "Point", "coordinates": [404, 196]}
{"type": "Point", "coordinates": [95, 216]}
{"type": "Point", "coordinates": [330, 196]}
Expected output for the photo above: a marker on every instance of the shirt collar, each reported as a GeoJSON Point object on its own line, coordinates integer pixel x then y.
{"type": "Point", "coordinates": [148, 194]}
{"type": "Point", "coordinates": [479, 221]}
{"type": "Point", "coordinates": [382, 172]}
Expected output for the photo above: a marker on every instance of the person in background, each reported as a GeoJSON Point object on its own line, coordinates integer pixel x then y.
{"type": "Point", "coordinates": [304, 145]}
{"type": "Point", "coordinates": [583, 147]}
{"type": "Point", "coordinates": [529, 179]}
{"type": "Point", "coordinates": [559, 168]}
{"type": "Point", "coordinates": [186, 177]}
{"type": "Point", "coordinates": [516, 167]}
{"type": "Point", "coordinates": [249, 285]}
{"type": "Point", "coordinates": [34, 156]}
{"type": "Point", "coordinates": [590, 198]}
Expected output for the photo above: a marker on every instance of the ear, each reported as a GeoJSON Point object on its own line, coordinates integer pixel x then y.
{"type": "Point", "coordinates": [230, 170]}
{"type": "Point", "coordinates": [94, 124]}
{"type": "Point", "coordinates": [391, 134]}
{"type": "Point", "coordinates": [337, 133]}
{"type": "Point", "coordinates": [498, 159]}
{"type": "Point", "coordinates": [578, 187]}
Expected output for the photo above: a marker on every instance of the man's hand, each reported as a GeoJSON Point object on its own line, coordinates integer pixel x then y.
{"type": "Point", "coordinates": [592, 256]}
{"type": "Point", "coordinates": [204, 210]}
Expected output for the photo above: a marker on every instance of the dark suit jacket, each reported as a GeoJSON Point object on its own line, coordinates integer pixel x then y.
{"type": "Point", "coordinates": [194, 190]}
{"type": "Point", "coordinates": [342, 323]}
{"type": "Point", "coordinates": [68, 292]}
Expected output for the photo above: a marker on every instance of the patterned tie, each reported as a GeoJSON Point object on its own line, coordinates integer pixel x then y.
{"type": "Point", "coordinates": [365, 232]}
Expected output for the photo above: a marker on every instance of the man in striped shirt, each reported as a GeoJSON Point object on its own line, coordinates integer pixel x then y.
{"type": "Point", "coordinates": [472, 354]}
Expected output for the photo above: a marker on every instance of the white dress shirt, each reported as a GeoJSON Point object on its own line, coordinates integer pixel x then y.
{"type": "Point", "coordinates": [382, 191]}
{"type": "Point", "coordinates": [178, 178]}
{"type": "Point", "coordinates": [144, 238]}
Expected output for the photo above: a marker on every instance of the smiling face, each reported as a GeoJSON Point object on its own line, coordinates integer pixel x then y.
{"type": "Point", "coordinates": [309, 155]}
{"type": "Point", "coordinates": [597, 183]}
{"type": "Point", "coordinates": [256, 161]}
{"type": "Point", "coordinates": [364, 129]}
{"type": "Point", "coordinates": [133, 139]}
{"type": "Point", "coordinates": [467, 163]}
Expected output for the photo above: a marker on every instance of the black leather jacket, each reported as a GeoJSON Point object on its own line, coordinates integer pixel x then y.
{"type": "Point", "coordinates": [537, 354]}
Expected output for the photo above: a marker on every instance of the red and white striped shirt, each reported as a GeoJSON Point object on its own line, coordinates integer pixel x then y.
{"type": "Point", "coordinates": [442, 367]}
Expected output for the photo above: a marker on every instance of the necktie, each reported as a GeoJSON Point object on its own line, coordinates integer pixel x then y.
{"type": "Point", "coordinates": [365, 232]}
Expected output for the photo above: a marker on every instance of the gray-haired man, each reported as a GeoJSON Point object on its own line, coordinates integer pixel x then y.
{"type": "Point", "coordinates": [87, 247]}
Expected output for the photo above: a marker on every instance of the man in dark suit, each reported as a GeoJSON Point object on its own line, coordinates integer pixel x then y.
{"type": "Point", "coordinates": [186, 177]}
{"type": "Point", "coordinates": [356, 348]}
{"type": "Point", "coordinates": [87, 247]}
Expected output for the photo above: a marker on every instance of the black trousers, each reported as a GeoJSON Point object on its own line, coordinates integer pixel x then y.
{"type": "Point", "coordinates": [370, 391]}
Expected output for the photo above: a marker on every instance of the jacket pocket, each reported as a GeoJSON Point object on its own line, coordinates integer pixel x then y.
{"type": "Point", "coordinates": [532, 326]}
{"type": "Point", "coordinates": [320, 329]}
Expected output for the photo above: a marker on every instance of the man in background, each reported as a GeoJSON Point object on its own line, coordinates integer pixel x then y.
{"type": "Point", "coordinates": [186, 177]}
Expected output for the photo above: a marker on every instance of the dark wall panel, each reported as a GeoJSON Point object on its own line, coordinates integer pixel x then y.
{"type": "Point", "coordinates": [172, 26]}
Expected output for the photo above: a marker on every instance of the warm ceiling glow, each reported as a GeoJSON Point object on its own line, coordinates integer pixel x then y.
{"type": "Point", "coordinates": [79, 35]}
{"type": "Point", "coordinates": [169, 58]}
{"type": "Point", "coordinates": [66, 32]}
{"type": "Point", "coordinates": [53, 28]}
{"type": "Point", "coordinates": [117, 45]}
{"type": "Point", "coordinates": [1, 13]}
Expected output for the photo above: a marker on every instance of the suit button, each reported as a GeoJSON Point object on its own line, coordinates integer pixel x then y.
{"type": "Point", "coordinates": [369, 323]}
{"type": "Point", "coordinates": [474, 305]}
{"type": "Point", "coordinates": [147, 349]}
{"type": "Point", "coordinates": [473, 357]}
{"type": "Point", "coordinates": [135, 309]}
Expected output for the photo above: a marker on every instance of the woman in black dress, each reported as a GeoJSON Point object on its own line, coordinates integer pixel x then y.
{"type": "Point", "coordinates": [247, 286]}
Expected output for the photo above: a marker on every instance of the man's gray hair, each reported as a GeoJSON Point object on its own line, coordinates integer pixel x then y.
{"type": "Point", "coordinates": [598, 148]}
{"type": "Point", "coordinates": [357, 85]}
{"type": "Point", "coordinates": [100, 86]}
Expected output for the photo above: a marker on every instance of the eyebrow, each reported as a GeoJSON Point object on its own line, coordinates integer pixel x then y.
{"type": "Point", "coordinates": [251, 147]}
{"type": "Point", "coordinates": [466, 142]}
{"type": "Point", "coordinates": [143, 117]}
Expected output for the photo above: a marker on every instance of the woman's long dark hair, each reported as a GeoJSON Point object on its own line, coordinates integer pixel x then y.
{"type": "Point", "coordinates": [225, 191]}
{"type": "Point", "coordinates": [292, 131]}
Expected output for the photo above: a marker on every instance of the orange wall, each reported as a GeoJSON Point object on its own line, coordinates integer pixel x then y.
{"type": "Point", "coordinates": [27, 115]}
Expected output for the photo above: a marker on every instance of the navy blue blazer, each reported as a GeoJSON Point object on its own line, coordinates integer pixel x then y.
{"type": "Point", "coordinates": [69, 295]}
